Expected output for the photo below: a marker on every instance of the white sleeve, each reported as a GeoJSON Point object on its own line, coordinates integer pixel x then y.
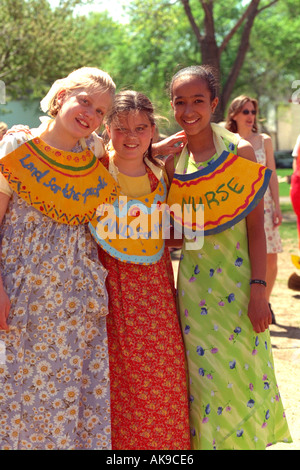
{"type": "Point", "coordinates": [296, 150]}
{"type": "Point", "coordinates": [8, 144]}
{"type": "Point", "coordinates": [12, 141]}
{"type": "Point", "coordinates": [97, 145]}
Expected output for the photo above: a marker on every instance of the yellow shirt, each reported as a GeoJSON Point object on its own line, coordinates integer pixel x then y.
{"type": "Point", "coordinates": [134, 186]}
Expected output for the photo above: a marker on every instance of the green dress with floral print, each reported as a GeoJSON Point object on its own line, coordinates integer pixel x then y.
{"type": "Point", "coordinates": [234, 398]}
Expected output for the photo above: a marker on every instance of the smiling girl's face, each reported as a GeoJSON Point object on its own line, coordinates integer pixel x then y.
{"type": "Point", "coordinates": [192, 104]}
{"type": "Point", "coordinates": [82, 112]}
{"type": "Point", "coordinates": [131, 135]}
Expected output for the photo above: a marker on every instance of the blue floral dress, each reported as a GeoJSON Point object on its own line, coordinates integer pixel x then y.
{"type": "Point", "coordinates": [54, 371]}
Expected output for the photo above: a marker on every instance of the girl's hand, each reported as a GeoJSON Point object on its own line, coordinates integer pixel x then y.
{"type": "Point", "coordinates": [258, 309]}
{"type": "Point", "coordinates": [4, 309]}
{"type": "Point", "coordinates": [170, 146]}
{"type": "Point", "coordinates": [277, 217]}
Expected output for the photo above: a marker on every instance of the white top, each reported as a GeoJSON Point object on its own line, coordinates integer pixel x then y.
{"type": "Point", "coordinates": [296, 148]}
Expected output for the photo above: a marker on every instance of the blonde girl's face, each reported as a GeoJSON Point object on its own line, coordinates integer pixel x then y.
{"type": "Point", "coordinates": [82, 111]}
{"type": "Point", "coordinates": [131, 135]}
{"type": "Point", "coordinates": [246, 117]}
{"type": "Point", "coordinates": [192, 104]}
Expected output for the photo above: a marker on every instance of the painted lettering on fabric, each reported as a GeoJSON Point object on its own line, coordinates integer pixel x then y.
{"type": "Point", "coordinates": [214, 198]}
{"type": "Point", "coordinates": [67, 191]}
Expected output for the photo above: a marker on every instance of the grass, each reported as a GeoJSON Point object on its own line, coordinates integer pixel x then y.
{"type": "Point", "coordinates": [289, 234]}
{"type": "Point", "coordinates": [288, 228]}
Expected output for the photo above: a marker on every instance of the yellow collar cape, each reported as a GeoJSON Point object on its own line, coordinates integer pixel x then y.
{"type": "Point", "coordinates": [217, 197]}
{"type": "Point", "coordinates": [131, 230]}
{"type": "Point", "coordinates": [66, 186]}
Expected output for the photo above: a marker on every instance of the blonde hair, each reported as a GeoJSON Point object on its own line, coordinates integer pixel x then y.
{"type": "Point", "coordinates": [235, 108]}
{"type": "Point", "coordinates": [90, 78]}
{"type": "Point", "coordinates": [3, 127]}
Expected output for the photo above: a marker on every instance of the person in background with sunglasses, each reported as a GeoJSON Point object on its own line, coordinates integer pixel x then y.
{"type": "Point", "coordinates": [242, 119]}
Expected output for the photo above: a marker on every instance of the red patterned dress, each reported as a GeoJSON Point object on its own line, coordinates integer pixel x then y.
{"type": "Point", "coordinates": [149, 402]}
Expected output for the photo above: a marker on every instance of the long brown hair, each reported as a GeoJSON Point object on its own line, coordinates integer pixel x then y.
{"type": "Point", "coordinates": [127, 101]}
{"type": "Point", "coordinates": [235, 108]}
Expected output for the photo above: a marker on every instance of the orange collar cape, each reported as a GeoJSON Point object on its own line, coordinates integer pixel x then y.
{"type": "Point", "coordinates": [131, 230]}
{"type": "Point", "coordinates": [66, 186]}
{"type": "Point", "coordinates": [218, 196]}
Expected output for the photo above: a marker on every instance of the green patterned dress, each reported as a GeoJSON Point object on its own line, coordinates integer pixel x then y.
{"type": "Point", "coordinates": [234, 398]}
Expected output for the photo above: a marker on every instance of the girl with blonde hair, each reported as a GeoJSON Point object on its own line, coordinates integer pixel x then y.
{"type": "Point", "coordinates": [54, 380]}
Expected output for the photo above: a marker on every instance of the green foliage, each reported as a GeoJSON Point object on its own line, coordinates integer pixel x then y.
{"type": "Point", "coordinates": [273, 59]}
{"type": "Point", "coordinates": [158, 39]}
{"type": "Point", "coordinates": [40, 44]}
{"type": "Point", "coordinates": [288, 233]}
{"type": "Point", "coordinates": [37, 45]}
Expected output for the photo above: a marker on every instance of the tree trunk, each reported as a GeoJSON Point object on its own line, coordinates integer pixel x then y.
{"type": "Point", "coordinates": [211, 53]}
{"type": "Point", "coordinates": [240, 58]}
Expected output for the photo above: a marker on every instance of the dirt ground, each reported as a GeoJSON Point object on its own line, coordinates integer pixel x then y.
{"type": "Point", "coordinates": [285, 336]}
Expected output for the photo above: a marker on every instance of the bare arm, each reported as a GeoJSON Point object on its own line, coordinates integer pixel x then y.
{"type": "Point", "coordinates": [274, 186]}
{"type": "Point", "coordinates": [170, 168]}
{"type": "Point", "coordinates": [245, 150]}
{"type": "Point", "coordinates": [4, 300]}
{"type": "Point", "coordinates": [174, 241]}
{"type": "Point", "coordinates": [294, 164]}
{"type": "Point", "coordinates": [258, 308]}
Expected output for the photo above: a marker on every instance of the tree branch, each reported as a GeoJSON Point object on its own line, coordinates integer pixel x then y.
{"type": "Point", "coordinates": [267, 6]}
{"type": "Point", "coordinates": [234, 29]}
{"type": "Point", "coordinates": [244, 45]}
{"type": "Point", "coordinates": [239, 22]}
{"type": "Point", "coordinates": [188, 11]}
{"type": "Point", "coordinates": [208, 18]}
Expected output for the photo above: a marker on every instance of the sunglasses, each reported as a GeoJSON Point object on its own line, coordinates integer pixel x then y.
{"type": "Point", "coordinates": [246, 111]}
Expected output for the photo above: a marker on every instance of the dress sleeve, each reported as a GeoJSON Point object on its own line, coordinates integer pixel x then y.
{"type": "Point", "coordinates": [8, 144]}
{"type": "Point", "coordinates": [97, 145]}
